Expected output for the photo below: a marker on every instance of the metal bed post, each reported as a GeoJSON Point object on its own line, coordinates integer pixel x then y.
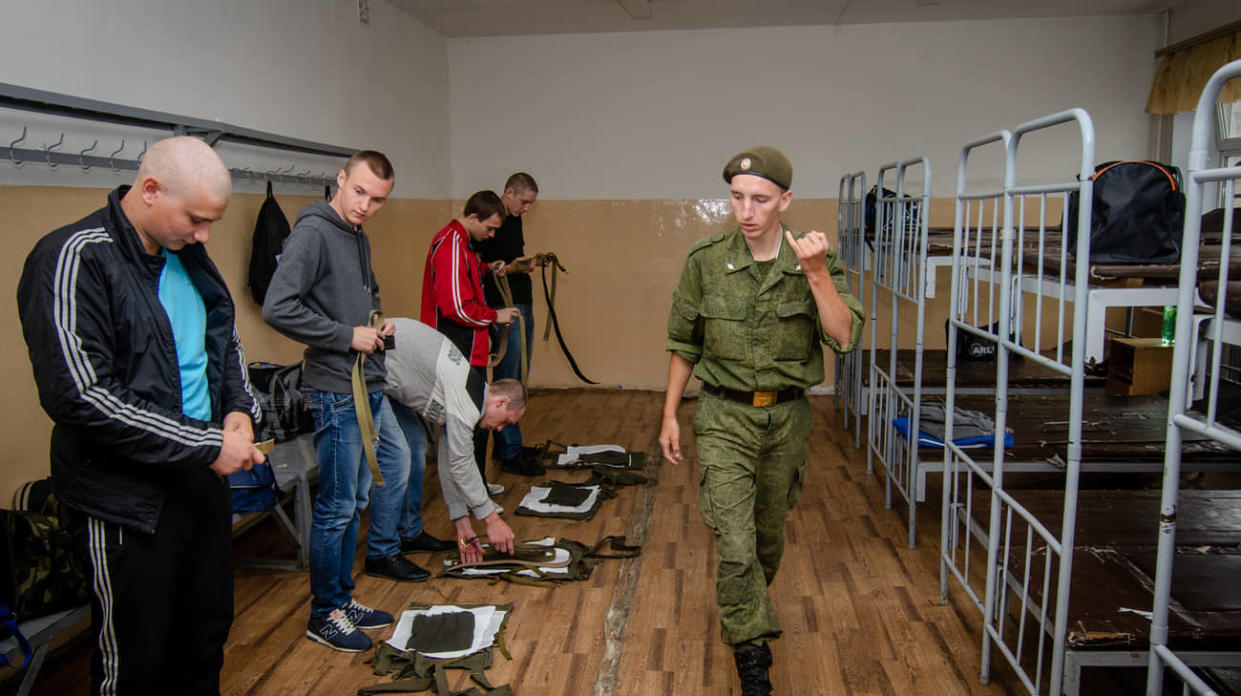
{"type": "Point", "coordinates": [1179, 402]}
{"type": "Point", "coordinates": [852, 246]}
{"type": "Point", "coordinates": [880, 414]}
{"type": "Point", "coordinates": [960, 235]}
{"type": "Point", "coordinates": [915, 291]}
{"type": "Point", "coordinates": [1063, 546]}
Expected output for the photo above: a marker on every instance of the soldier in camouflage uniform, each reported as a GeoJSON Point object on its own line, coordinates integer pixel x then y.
{"type": "Point", "coordinates": [747, 319]}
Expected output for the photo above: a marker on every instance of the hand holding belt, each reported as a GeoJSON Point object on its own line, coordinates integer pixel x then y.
{"type": "Point", "coordinates": [506, 293]}
{"type": "Point", "coordinates": [362, 404]}
{"type": "Point", "coordinates": [757, 399]}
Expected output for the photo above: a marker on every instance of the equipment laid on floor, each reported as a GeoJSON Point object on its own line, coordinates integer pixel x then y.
{"type": "Point", "coordinates": [429, 640]}
{"type": "Point", "coordinates": [558, 456]}
{"type": "Point", "coordinates": [545, 562]}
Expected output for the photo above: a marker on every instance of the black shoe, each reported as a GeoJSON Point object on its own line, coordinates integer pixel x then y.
{"type": "Point", "coordinates": [523, 466]}
{"type": "Point", "coordinates": [396, 567]}
{"type": "Point", "coordinates": [752, 665]}
{"type": "Point", "coordinates": [425, 542]}
{"type": "Point", "coordinates": [525, 451]}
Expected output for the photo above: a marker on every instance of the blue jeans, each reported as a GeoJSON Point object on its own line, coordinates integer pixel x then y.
{"type": "Point", "coordinates": [344, 484]}
{"type": "Point", "coordinates": [410, 523]}
{"type": "Point", "coordinates": [508, 439]}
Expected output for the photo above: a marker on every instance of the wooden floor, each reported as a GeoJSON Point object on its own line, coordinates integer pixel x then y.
{"type": "Point", "coordinates": [860, 611]}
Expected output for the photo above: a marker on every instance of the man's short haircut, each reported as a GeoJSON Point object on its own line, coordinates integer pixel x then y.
{"type": "Point", "coordinates": [184, 165]}
{"type": "Point", "coordinates": [378, 163]}
{"type": "Point", "coordinates": [514, 390]}
{"type": "Point", "coordinates": [483, 205]}
{"type": "Point", "coordinates": [521, 182]}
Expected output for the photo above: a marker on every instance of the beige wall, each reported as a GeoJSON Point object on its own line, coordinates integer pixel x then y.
{"type": "Point", "coordinates": [623, 258]}
{"type": "Point", "coordinates": [400, 233]}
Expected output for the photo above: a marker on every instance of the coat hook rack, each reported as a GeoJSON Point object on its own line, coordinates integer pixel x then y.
{"type": "Point", "coordinates": [82, 155]}
{"type": "Point", "coordinates": [47, 149]}
{"type": "Point", "coordinates": [112, 157]}
{"type": "Point", "coordinates": [13, 146]}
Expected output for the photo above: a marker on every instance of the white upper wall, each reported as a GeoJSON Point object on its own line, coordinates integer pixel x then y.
{"type": "Point", "coordinates": [301, 68]}
{"type": "Point", "coordinates": [1199, 16]}
{"type": "Point", "coordinates": [657, 114]}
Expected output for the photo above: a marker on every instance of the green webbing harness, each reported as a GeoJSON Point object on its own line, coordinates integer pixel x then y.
{"type": "Point", "coordinates": [582, 562]}
{"type": "Point", "coordinates": [550, 451]}
{"type": "Point", "coordinates": [362, 404]}
{"type": "Point", "coordinates": [417, 672]}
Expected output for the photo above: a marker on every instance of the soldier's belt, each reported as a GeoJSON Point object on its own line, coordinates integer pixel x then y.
{"type": "Point", "coordinates": [758, 399]}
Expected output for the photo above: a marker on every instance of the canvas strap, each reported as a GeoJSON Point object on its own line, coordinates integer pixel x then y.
{"type": "Point", "coordinates": [362, 404]}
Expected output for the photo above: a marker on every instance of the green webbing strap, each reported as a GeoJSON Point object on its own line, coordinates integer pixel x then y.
{"type": "Point", "coordinates": [550, 297]}
{"type": "Point", "coordinates": [506, 294]}
{"type": "Point", "coordinates": [362, 404]}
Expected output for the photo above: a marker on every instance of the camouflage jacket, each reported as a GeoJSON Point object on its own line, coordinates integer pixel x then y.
{"type": "Point", "coordinates": [747, 332]}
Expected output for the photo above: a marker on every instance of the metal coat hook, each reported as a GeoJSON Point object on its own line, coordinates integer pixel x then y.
{"type": "Point", "coordinates": [47, 149]}
{"type": "Point", "coordinates": [14, 144]}
{"type": "Point", "coordinates": [112, 157]}
{"type": "Point", "coordinates": [82, 155]}
{"type": "Point", "coordinates": [144, 151]}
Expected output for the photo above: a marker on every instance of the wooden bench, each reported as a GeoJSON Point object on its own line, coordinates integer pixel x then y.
{"type": "Point", "coordinates": [296, 466]}
{"type": "Point", "coordinates": [39, 633]}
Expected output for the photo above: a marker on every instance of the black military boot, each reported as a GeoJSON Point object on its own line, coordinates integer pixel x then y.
{"type": "Point", "coordinates": [752, 665]}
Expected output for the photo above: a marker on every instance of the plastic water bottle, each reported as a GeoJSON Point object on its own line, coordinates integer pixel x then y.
{"type": "Point", "coordinates": [1168, 334]}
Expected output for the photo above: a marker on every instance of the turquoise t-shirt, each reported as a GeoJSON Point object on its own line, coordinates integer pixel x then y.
{"type": "Point", "coordinates": [188, 316]}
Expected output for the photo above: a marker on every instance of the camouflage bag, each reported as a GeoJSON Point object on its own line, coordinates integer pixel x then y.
{"type": "Point", "coordinates": [41, 575]}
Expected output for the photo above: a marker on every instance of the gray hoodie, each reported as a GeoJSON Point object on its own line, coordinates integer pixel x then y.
{"type": "Point", "coordinates": [323, 287]}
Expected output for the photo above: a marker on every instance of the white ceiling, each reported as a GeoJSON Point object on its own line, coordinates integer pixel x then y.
{"type": "Point", "coordinates": [466, 18]}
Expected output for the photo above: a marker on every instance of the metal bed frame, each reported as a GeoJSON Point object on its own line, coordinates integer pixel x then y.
{"type": "Point", "coordinates": [1219, 329]}
{"type": "Point", "coordinates": [899, 268]}
{"type": "Point", "coordinates": [1007, 594]}
{"type": "Point", "coordinates": [851, 243]}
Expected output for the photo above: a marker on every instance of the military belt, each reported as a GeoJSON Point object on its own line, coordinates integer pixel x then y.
{"type": "Point", "coordinates": [758, 399]}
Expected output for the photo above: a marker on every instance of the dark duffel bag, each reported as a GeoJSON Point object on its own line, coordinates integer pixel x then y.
{"type": "Point", "coordinates": [278, 391]}
{"type": "Point", "coordinates": [1136, 216]}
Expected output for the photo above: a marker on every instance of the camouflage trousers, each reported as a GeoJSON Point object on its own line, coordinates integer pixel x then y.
{"type": "Point", "coordinates": [752, 462]}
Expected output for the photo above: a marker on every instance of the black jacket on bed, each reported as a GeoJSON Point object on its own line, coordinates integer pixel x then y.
{"type": "Point", "coordinates": [105, 364]}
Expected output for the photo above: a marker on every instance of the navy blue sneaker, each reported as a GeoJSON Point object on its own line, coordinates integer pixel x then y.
{"type": "Point", "coordinates": [336, 631]}
{"type": "Point", "coordinates": [362, 616]}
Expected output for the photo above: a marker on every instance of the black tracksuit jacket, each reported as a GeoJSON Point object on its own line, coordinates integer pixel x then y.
{"type": "Point", "coordinates": [105, 364]}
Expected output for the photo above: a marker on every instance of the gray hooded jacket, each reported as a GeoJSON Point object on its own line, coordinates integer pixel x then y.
{"type": "Point", "coordinates": [323, 287]}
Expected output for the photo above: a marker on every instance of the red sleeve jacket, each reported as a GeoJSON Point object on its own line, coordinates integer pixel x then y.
{"type": "Point", "coordinates": [452, 294]}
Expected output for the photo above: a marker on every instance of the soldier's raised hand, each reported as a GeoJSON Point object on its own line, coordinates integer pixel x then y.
{"type": "Point", "coordinates": [811, 250]}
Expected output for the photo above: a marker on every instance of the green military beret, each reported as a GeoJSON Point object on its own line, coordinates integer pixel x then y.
{"type": "Point", "coordinates": [764, 161]}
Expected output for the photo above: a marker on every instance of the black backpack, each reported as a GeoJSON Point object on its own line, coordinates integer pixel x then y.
{"type": "Point", "coordinates": [277, 388]}
{"type": "Point", "coordinates": [1137, 214]}
{"type": "Point", "coordinates": [270, 231]}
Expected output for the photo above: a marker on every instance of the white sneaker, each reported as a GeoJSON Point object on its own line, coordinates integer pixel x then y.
{"type": "Point", "coordinates": [494, 489]}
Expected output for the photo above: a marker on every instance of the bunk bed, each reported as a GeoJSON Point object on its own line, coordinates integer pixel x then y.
{"type": "Point", "coordinates": [1068, 573]}
{"type": "Point", "coordinates": [1216, 381]}
{"type": "Point", "coordinates": [899, 265]}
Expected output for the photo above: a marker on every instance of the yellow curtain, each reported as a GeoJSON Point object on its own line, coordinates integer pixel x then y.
{"type": "Point", "coordinates": [1182, 75]}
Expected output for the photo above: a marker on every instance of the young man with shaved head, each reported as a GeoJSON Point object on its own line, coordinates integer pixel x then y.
{"type": "Point", "coordinates": [131, 336]}
{"type": "Point", "coordinates": [747, 318]}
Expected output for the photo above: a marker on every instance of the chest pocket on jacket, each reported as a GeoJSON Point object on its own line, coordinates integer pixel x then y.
{"type": "Point", "coordinates": [724, 334]}
{"type": "Point", "coordinates": [795, 331]}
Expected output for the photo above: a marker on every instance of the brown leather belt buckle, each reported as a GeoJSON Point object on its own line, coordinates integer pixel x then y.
{"type": "Point", "coordinates": [763, 399]}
